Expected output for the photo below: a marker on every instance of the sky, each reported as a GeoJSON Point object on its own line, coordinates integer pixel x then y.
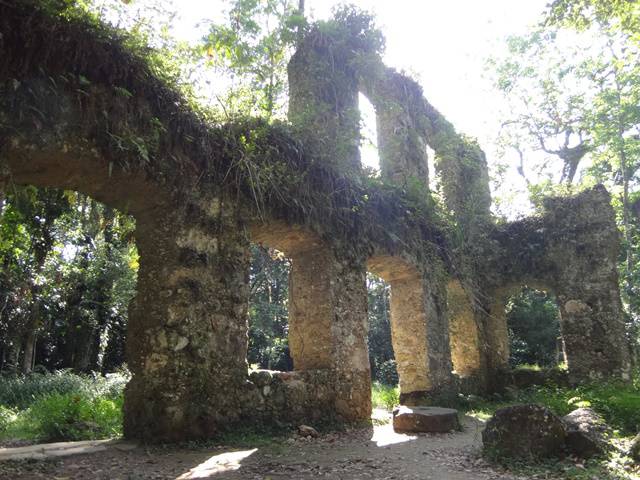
{"type": "Point", "coordinates": [443, 44]}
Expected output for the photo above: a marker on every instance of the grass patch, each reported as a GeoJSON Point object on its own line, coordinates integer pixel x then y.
{"type": "Point", "coordinates": [61, 406]}
{"type": "Point", "coordinates": [384, 396]}
{"type": "Point", "coordinates": [618, 404]}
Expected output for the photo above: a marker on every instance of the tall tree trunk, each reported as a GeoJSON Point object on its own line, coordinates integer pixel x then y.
{"type": "Point", "coordinates": [33, 325]}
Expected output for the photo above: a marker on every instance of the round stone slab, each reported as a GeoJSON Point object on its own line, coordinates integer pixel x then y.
{"type": "Point", "coordinates": [425, 419]}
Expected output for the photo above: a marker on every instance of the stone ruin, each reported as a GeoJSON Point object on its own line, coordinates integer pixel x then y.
{"type": "Point", "coordinates": [79, 111]}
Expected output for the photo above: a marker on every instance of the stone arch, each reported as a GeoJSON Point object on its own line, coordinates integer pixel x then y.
{"type": "Point", "coordinates": [418, 328]}
{"type": "Point", "coordinates": [496, 330]}
{"type": "Point", "coordinates": [310, 303]}
{"type": "Point", "coordinates": [327, 315]}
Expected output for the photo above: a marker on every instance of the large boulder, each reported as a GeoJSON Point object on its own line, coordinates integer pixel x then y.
{"type": "Point", "coordinates": [425, 419]}
{"type": "Point", "coordinates": [587, 433]}
{"type": "Point", "coordinates": [524, 431]}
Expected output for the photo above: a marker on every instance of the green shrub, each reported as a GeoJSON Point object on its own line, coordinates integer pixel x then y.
{"type": "Point", "coordinates": [20, 391]}
{"type": "Point", "coordinates": [384, 396]}
{"type": "Point", "coordinates": [387, 373]}
{"type": "Point", "coordinates": [618, 404]}
{"type": "Point", "coordinates": [7, 417]}
{"type": "Point", "coordinates": [61, 406]}
{"type": "Point", "coordinates": [72, 416]}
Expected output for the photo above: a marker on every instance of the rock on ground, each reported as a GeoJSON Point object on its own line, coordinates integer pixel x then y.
{"type": "Point", "coordinates": [587, 433]}
{"type": "Point", "coordinates": [524, 431]}
{"type": "Point", "coordinates": [425, 419]}
{"type": "Point", "coordinates": [307, 431]}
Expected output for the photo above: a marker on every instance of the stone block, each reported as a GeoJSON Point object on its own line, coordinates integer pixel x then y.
{"type": "Point", "coordinates": [425, 419]}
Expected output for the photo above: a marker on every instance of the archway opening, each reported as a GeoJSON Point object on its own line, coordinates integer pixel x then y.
{"type": "Point", "coordinates": [303, 259]}
{"type": "Point", "coordinates": [369, 153]}
{"type": "Point", "coordinates": [269, 309]}
{"type": "Point", "coordinates": [533, 321]}
{"type": "Point", "coordinates": [408, 321]}
{"type": "Point", "coordinates": [69, 272]}
{"type": "Point", "coordinates": [381, 355]}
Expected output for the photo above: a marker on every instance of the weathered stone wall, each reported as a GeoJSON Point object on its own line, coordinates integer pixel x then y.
{"type": "Point", "coordinates": [583, 251]}
{"type": "Point", "coordinates": [201, 193]}
{"type": "Point", "coordinates": [572, 250]}
{"type": "Point", "coordinates": [290, 398]}
{"type": "Point", "coordinates": [324, 99]}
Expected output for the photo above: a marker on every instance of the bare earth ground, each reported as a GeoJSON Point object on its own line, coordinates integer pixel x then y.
{"type": "Point", "coordinates": [366, 453]}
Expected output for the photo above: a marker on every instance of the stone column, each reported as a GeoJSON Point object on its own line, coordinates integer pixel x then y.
{"type": "Point", "coordinates": [402, 142]}
{"type": "Point", "coordinates": [328, 322]}
{"type": "Point", "coordinates": [187, 332]}
{"type": "Point", "coordinates": [310, 308]}
{"type": "Point", "coordinates": [438, 344]}
{"type": "Point", "coordinates": [310, 291]}
{"type": "Point", "coordinates": [350, 331]}
{"type": "Point", "coordinates": [496, 334]}
{"type": "Point", "coordinates": [323, 100]}
{"type": "Point", "coordinates": [583, 248]}
{"type": "Point", "coordinates": [463, 332]}
{"type": "Point", "coordinates": [409, 334]}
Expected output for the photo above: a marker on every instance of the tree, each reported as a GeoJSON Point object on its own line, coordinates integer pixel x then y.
{"type": "Point", "coordinates": [268, 309]}
{"type": "Point", "coordinates": [576, 81]}
{"type": "Point", "coordinates": [69, 269]}
{"type": "Point", "coordinates": [252, 49]}
{"type": "Point", "coordinates": [581, 14]}
{"type": "Point", "coordinates": [381, 357]}
{"type": "Point", "coordinates": [534, 329]}
{"type": "Point", "coordinates": [544, 112]}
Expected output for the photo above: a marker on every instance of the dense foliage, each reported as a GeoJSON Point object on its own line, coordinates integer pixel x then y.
{"type": "Point", "coordinates": [268, 310]}
{"type": "Point", "coordinates": [534, 329]}
{"type": "Point", "coordinates": [69, 273]}
{"type": "Point", "coordinates": [61, 406]}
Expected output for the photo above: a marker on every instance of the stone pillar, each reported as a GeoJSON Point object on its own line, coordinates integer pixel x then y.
{"type": "Point", "coordinates": [583, 247]}
{"type": "Point", "coordinates": [438, 344]}
{"type": "Point", "coordinates": [409, 334]}
{"type": "Point", "coordinates": [187, 332]}
{"type": "Point", "coordinates": [402, 142]}
{"type": "Point", "coordinates": [464, 333]}
{"type": "Point", "coordinates": [310, 308]}
{"type": "Point", "coordinates": [350, 332]}
{"type": "Point", "coordinates": [420, 345]}
{"type": "Point", "coordinates": [496, 334]}
{"type": "Point", "coordinates": [323, 100]}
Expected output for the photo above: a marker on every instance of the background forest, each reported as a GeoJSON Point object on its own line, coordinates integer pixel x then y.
{"type": "Point", "coordinates": [571, 89]}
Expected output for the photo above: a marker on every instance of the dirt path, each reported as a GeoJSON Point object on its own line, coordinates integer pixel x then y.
{"type": "Point", "coordinates": [376, 453]}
